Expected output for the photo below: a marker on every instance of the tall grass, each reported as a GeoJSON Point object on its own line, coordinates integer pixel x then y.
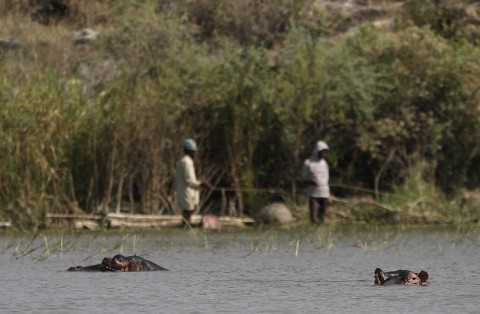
{"type": "Point", "coordinates": [41, 115]}
{"type": "Point", "coordinates": [100, 126]}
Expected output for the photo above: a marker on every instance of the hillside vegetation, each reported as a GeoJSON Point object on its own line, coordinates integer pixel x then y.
{"type": "Point", "coordinates": [97, 123]}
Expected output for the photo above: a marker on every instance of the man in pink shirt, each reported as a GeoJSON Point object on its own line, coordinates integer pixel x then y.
{"type": "Point", "coordinates": [315, 175]}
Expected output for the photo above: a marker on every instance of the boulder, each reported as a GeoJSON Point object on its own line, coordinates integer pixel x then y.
{"type": "Point", "coordinates": [9, 44]}
{"type": "Point", "coordinates": [275, 213]}
{"type": "Point", "coordinates": [85, 35]}
{"type": "Point", "coordinates": [471, 199]}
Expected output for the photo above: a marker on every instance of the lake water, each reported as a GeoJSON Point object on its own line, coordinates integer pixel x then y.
{"type": "Point", "coordinates": [327, 269]}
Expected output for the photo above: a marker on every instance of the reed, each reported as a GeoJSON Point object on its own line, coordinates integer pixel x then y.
{"type": "Point", "coordinates": [93, 246]}
{"type": "Point", "coordinates": [99, 127]}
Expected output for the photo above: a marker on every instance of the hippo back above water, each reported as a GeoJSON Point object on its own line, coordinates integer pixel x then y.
{"type": "Point", "coordinates": [96, 267]}
{"type": "Point", "coordinates": [400, 277]}
{"type": "Point", "coordinates": [121, 263]}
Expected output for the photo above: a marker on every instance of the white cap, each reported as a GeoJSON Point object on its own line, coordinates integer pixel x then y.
{"type": "Point", "coordinates": [321, 145]}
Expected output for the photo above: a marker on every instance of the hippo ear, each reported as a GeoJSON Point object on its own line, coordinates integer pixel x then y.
{"type": "Point", "coordinates": [423, 275]}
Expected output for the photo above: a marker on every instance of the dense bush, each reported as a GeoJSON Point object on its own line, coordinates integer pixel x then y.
{"type": "Point", "coordinates": [100, 126]}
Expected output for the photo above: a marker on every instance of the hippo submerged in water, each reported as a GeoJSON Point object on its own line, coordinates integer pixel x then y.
{"type": "Point", "coordinates": [400, 277]}
{"type": "Point", "coordinates": [121, 263]}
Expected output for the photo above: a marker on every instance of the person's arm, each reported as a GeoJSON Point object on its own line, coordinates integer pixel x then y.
{"type": "Point", "coordinates": [306, 176]}
{"type": "Point", "coordinates": [206, 185]}
{"type": "Point", "coordinates": [310, 182]}
{"type": "Point", "coordinates": [190, 177]}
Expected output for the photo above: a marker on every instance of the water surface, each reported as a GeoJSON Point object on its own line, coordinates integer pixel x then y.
{"type": "Point", "coordinates": [269, 270]}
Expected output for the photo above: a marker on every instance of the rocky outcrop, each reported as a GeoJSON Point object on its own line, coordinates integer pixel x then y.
{"type": "Point", "coordinates": [48, 12]}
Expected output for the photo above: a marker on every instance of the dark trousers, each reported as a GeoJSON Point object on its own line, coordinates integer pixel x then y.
{"type": "Point", "coordinates": [318, 209]}
{"type": "Point", "coordinates": [187, 214]}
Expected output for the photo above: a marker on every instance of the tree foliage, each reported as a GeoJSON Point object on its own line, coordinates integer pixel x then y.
{"type": "Point", "coordinates": [100, 126]}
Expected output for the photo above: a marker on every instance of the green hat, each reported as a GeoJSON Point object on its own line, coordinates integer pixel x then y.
{"type": "Point", "coordinates": [190, 144]}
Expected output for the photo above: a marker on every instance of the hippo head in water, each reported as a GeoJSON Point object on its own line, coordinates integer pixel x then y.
{"type": "Point", "coordinates": [400, 277]}
{"type": "Point", "coordinates": [121, 263]}
{"type": "Point", "coordinates": [130, 263]}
